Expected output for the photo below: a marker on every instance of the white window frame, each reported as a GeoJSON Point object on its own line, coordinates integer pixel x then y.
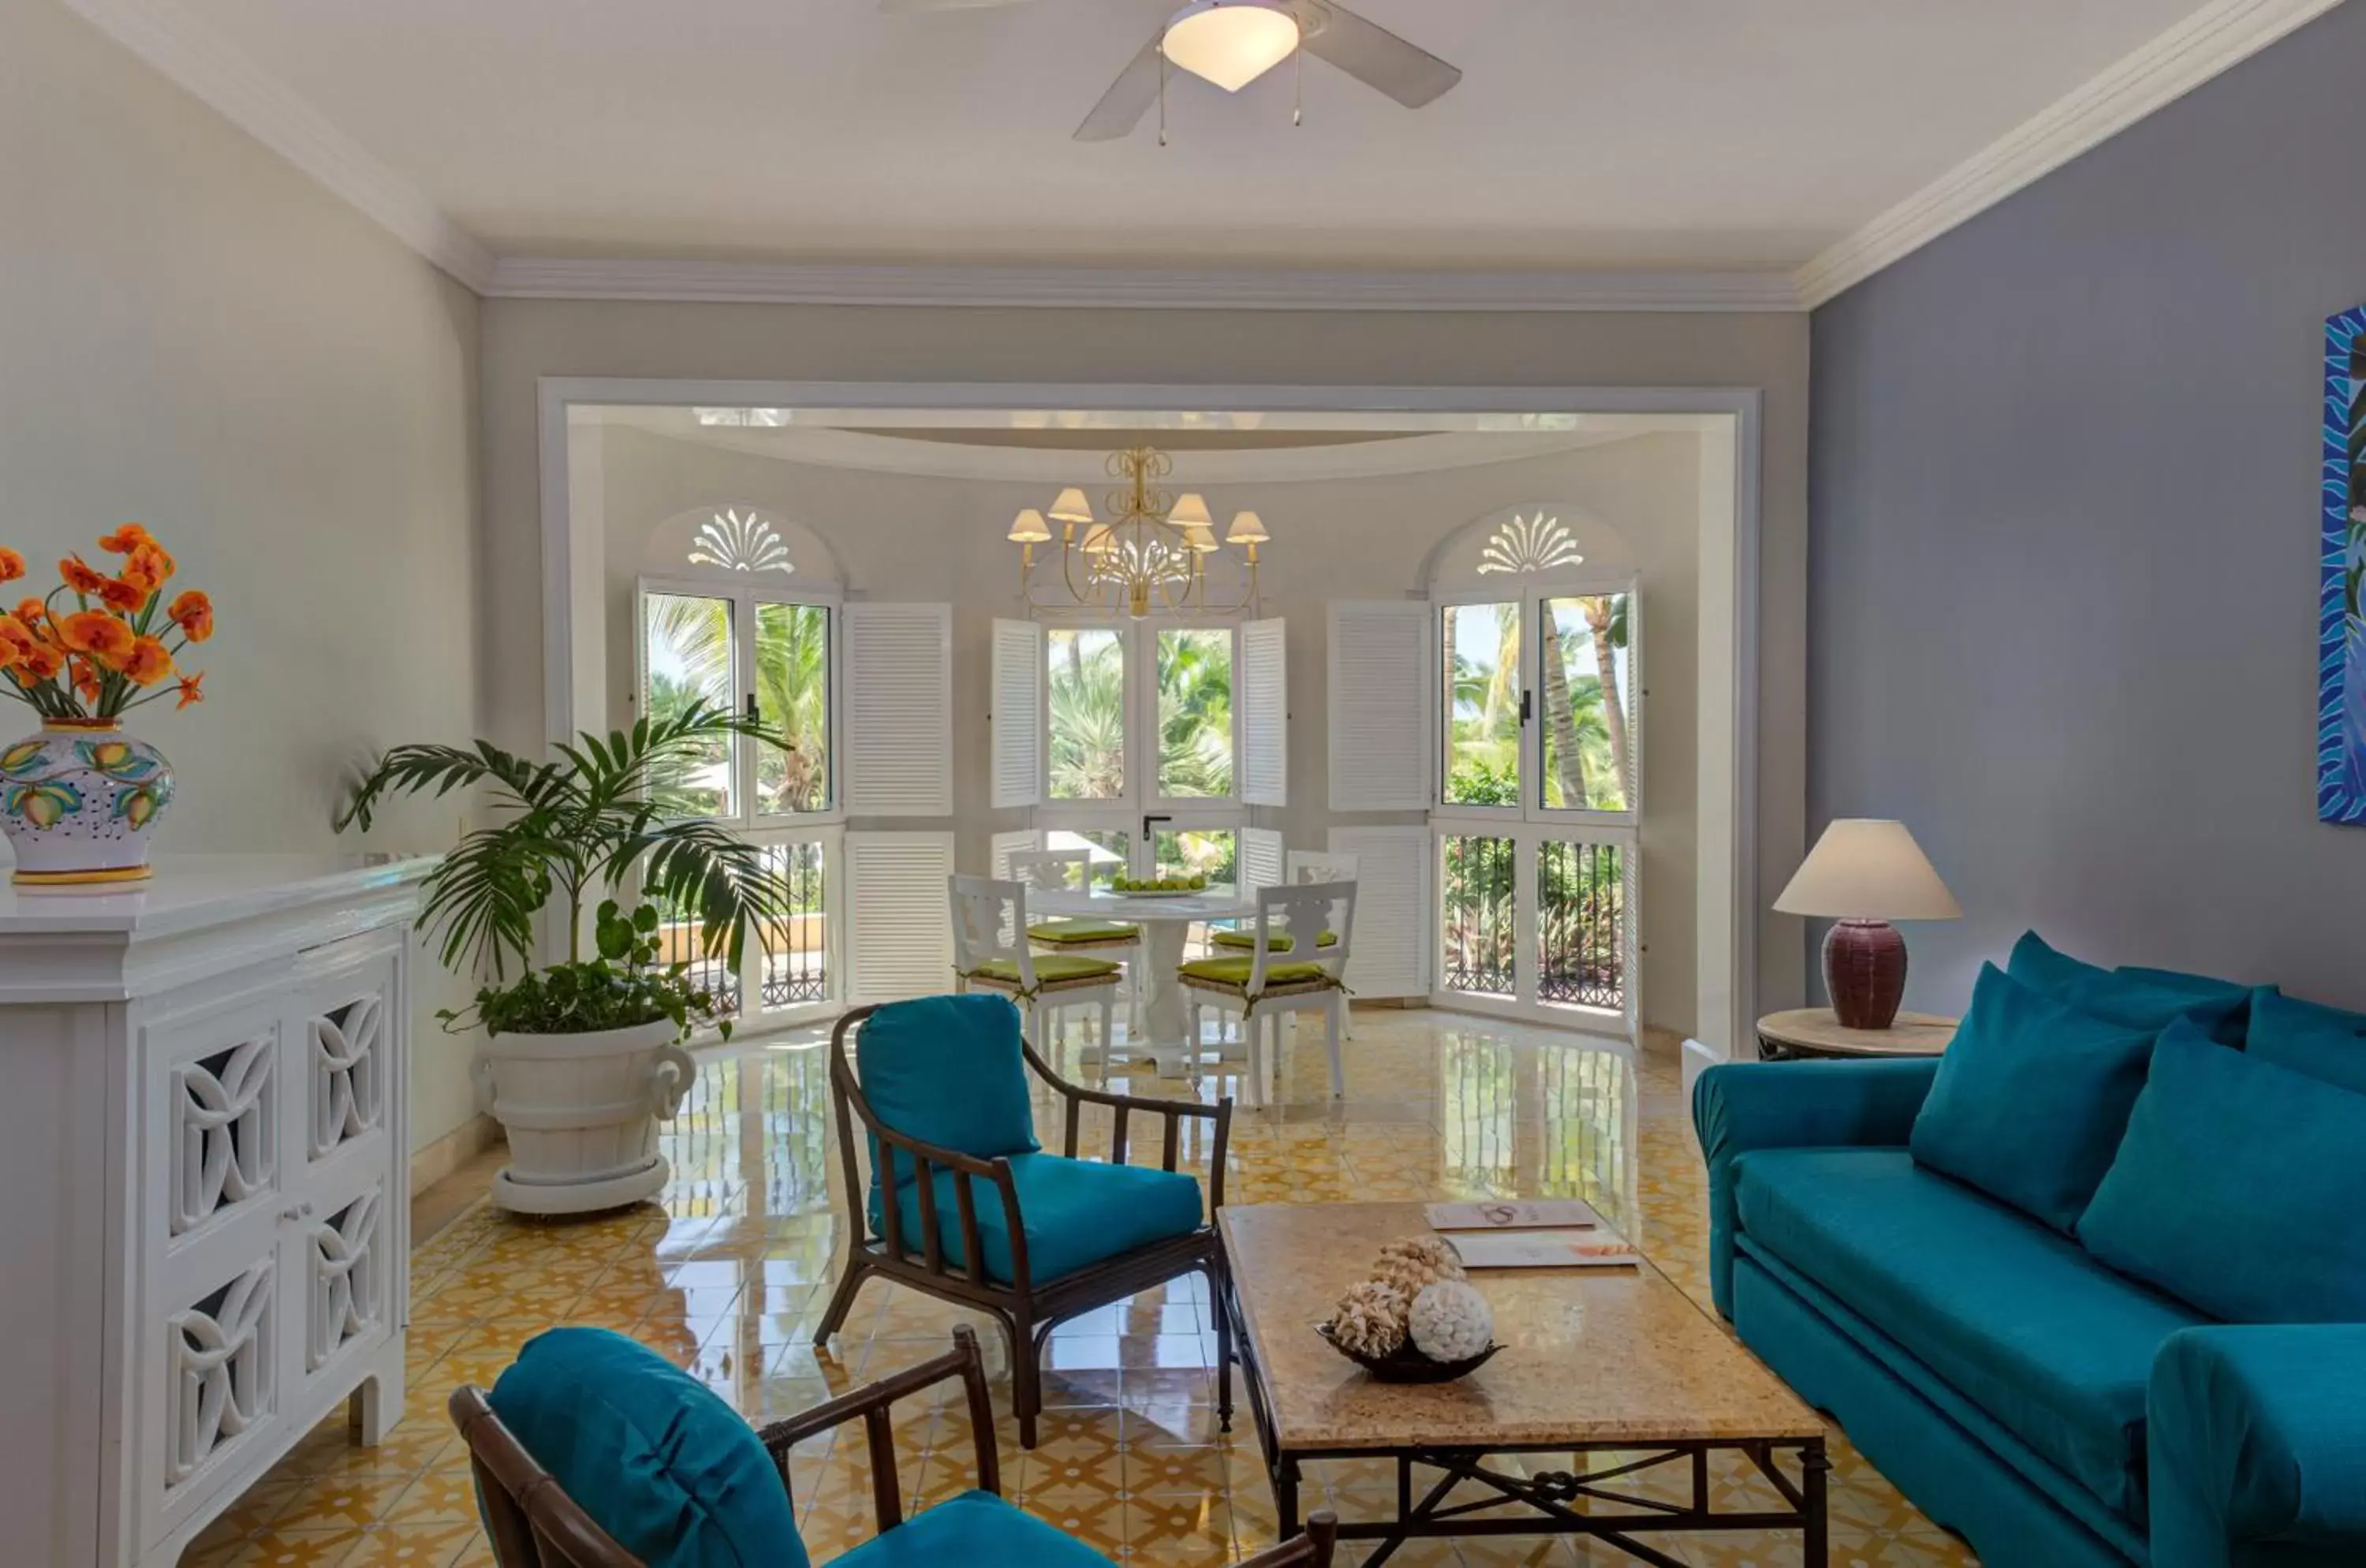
{"type": "Point", "coordinates": [1142, 811]}
{"type": "Point", "coordinates": [827, 828]}
{"type": "Point", "coordinates": [1531, 824]}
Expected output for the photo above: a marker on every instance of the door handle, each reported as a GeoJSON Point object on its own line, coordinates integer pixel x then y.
{"type": "Point", "coordinates": [1527, 697]}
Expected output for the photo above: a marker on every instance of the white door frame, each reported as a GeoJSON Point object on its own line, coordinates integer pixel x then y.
{"type": "Point", "coordinates": [574, 645]}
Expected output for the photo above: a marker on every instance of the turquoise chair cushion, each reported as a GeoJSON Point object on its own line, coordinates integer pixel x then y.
{"type": "Point", "coordinates": [2238, 1189]}
{"type": "Point", "coordinates": [948, 1071]}
{"type": "Point", "coordinates": [2030, 1100]}
{"type": "Point", "coordinates": [647, 1450]}
{"type": "Point", "coordinates": [976, 1529]}
{"type": "Point", "coordinates": [2056, 1347]}
{"type": "Point", "coordinates": [1076, 1213]}
{"type": "Point", "coordinates": [2309, 1037]}
{"type": "Point", "coordinates": [2135, 997]}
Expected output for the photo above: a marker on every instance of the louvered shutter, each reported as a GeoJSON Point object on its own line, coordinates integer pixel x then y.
{"type": "Point", "coordinates": [1261, 859]}
{"type": "Point", "coordinates": [1017, 714]}
{"type": "Point", "coordinates": [1381, 750]}
{"type": "Point", "coordinates": [1263, 697]}
{"type": "Point", "coordinates": [1634, 695]}
{"type": "Point", "coordinates": [899, 710]}
{"type": "Point", "coordinates": [1004, 845]}
{"type": "Point", "coordinates": [899, 927]}
{"type": "Point", "coordinates": [1391, 942]}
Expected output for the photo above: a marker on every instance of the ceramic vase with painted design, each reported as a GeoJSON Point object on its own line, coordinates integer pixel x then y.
{"type": "Point", "coordinates": [80, 801]}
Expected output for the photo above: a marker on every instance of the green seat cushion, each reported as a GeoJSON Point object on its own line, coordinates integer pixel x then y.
{"type": "Point", "coordinates": [1083, 930]}
{"type": "Point", "coordinates": [1076, 1211]}
{"type": "Point", "coordinates": [976, 1529]}
{"type": "Point", "coordinates": [657, 1460]}
{"type": "Point", "coordinates": [948, 1071]}
{"type": "Point", "coordinates": [2030, 1099]}
{"type": "Point", "coordinates": [1282, 941]}
{"type": "Point", "coordinates": [1048, 966]}
{"type": "Point", "coordinates": [2309, 1037]}
{"type": "Point", "coordinates": [2135, 997]}
{"type": "Point", "coordinates": [1236, 971]}
{"type": "Point", "coordinates": [2237, 1187]}
{"type": "Point", "coordinates": [2056, 1347]}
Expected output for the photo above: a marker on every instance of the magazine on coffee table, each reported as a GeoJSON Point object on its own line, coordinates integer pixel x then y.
{"type": "Point", "coordinates": [1530, 1214]}
{"type": "Point", "coordinates": [1592, 1249]}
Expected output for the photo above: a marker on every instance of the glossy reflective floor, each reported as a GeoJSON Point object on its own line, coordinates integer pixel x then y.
{"type": "Point", "coordinates": [730, 1272]}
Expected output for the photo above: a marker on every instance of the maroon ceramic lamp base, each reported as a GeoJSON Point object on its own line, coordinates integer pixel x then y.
{"type": "Point", "coordinates": [1865, 973]}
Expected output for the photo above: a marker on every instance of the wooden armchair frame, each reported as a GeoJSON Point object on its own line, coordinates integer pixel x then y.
{"type": "Point", "coordinates": [532, 1523]}
{"type": "Point", "coordinates": [1026, 1309]}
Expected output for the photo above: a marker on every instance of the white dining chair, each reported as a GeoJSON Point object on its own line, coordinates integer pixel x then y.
{"type": "Point", "coordinates": [1071, 871]}
{"type": "Point", "coordinates": [1285, 971]}
{"type": "Point", "coordinates": [991, 952]}
{"type": "Point", "coordinates": [1303, 865]}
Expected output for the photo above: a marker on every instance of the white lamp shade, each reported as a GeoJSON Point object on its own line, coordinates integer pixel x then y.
{"type": "Point", "coordinates": [1867, 869]}
{"type": "Point", "coordinates": [1247, 528]}
{"type": "Point", "coordinates": [1229, 42]}
{"type": "Point", "coordinates": [1200, 537]}
{"type": "Point", "coordinates": [1028, 528]}
{"type": "Point", "coordinates": [1070, 507]}
{"type": "Point", "coordinates": [1190, 511]}
{"type": "Point", "coordinates": [1100, 539]}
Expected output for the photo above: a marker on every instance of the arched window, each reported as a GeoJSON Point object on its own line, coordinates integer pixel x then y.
{"type": "Point", "coordinates": [1537, 632]}
{"type": "Point", "coordinates": [741, 608]}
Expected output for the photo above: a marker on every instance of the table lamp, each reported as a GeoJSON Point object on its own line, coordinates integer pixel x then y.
{"type": "Point", "coordinates": [1865, 873]}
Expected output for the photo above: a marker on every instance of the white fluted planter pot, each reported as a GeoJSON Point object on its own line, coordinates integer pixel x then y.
{"type": "Point", "coordinates": [581, 1112]}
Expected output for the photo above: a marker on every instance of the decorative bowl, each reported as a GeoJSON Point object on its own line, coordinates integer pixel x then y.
{"type": "Point", "coordinates": [1407, 1364]}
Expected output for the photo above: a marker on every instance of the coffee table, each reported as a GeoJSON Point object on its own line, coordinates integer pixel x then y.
{"type": "Point", "coordinates": [1594, 1359]}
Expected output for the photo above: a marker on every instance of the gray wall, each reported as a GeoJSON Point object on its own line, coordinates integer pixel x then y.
{"type": "Point", "coordinates": [2063, 492]}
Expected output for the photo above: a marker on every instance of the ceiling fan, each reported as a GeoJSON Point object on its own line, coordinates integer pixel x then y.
{"type": "Point", "coordinates": [1232, 42]}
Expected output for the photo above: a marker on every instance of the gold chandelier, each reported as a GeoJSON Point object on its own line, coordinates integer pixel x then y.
{"type": "Point", "coordinates": [1149, 556]}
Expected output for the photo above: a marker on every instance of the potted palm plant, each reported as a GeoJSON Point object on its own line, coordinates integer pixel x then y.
{"type": "Point", "coordinates": [585, 1056]}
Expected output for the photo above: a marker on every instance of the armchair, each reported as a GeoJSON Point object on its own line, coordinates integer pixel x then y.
{"type": "Point", "coordinates": [964, 1204]}
{"type": "Point", "coordinates": [534, 1520]}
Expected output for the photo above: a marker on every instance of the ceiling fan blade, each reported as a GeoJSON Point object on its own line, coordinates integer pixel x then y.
{"type": "Point", "coordinates": [1129, 97]}
{"type": "Point", "coordinates": [1372, 54]}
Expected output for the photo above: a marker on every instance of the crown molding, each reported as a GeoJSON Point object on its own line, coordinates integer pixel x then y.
{"type": "Point", "coordinates": [2211, 41]}
{"type": "Point", "coordinates": [185, 51]}
{"type": "Point", "coordinates": [1169, 288]}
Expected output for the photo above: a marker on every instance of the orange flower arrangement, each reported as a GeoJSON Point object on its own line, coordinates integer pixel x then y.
{"type": "Point", "coordinates": [114, 644]}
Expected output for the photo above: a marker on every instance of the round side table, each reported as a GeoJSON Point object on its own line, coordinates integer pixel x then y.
{"type": "Point", "coordinates": [1804, 1033]}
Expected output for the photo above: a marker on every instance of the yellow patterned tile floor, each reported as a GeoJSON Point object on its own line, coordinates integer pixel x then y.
{"type": "Point", "coordinates": [728, 1271]}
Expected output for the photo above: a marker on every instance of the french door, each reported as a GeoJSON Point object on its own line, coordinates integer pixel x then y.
{"type": "Point", "coordinates": [1538, 786]}
{"type": "Point", "coordinates": [775, 657]}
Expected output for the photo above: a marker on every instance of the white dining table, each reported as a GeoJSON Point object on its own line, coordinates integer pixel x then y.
{"type": "Point", "coordinates": [1165, 920]}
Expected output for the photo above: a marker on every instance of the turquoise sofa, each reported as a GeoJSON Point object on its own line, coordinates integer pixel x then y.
{"type": "Point", "coordinates": [2054, 1412]}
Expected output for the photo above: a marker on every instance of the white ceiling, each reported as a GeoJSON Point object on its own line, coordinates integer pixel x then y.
{"type": "Point", "coordinates": [1629, 133]}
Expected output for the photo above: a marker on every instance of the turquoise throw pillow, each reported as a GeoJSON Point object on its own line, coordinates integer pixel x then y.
{"type": "Point", "coordinates": [647, 1450]}
{"type": "Point", "coordinates": [2135, 999]}
{"type": "Point", "coordinates": [2029, 1101]}
{"type": "Point", "coordinates": [2309, 1037]}
{"type": "Point", "coordinates": [948, 1071]}
{"type": "Point", "coordinates": [2236, 1189]}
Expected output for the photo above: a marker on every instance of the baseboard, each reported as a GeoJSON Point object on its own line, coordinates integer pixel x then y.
{"type": "Point", "coordinates": [453, 1150]}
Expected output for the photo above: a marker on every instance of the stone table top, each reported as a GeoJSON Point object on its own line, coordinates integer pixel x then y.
{"type": "Point", "coordinates": [1818, 1030]}
{"type": "Point", "coordinates": [1591, 1355]}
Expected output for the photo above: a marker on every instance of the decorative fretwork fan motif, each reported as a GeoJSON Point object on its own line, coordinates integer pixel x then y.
{"type": "Point", "coordinates": [348, 1072]}
{"type": "Point", "coordinates": [225, 1150]}
{"type": "Point", "coordinates": [218, 1384]}
{"type": "Point", "coordinates": [345, 1276]}
{"type": "Point", "coordinates": [732, 542]}
{"type": "Point", "coordinates": [1528, 545]}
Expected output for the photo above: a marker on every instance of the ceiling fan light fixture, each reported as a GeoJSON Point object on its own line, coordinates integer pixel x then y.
{"type": "Point", "coordinates": [1229, 42]}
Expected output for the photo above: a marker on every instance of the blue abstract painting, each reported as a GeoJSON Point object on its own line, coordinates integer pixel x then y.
{"type": "Point", "coordinates": [2340, 628]}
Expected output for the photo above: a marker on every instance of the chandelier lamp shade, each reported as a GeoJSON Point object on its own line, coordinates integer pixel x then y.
{"type": "Point", "coordinates": [1149, 552]}
{"type": "Point", "coordinates": [1863, 873]}
{"type": "Point", "coordinates": [1229, 42]}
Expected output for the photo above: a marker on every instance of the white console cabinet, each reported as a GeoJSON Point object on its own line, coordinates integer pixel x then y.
{"type": "Point", "coordinates": [204, 1192]}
